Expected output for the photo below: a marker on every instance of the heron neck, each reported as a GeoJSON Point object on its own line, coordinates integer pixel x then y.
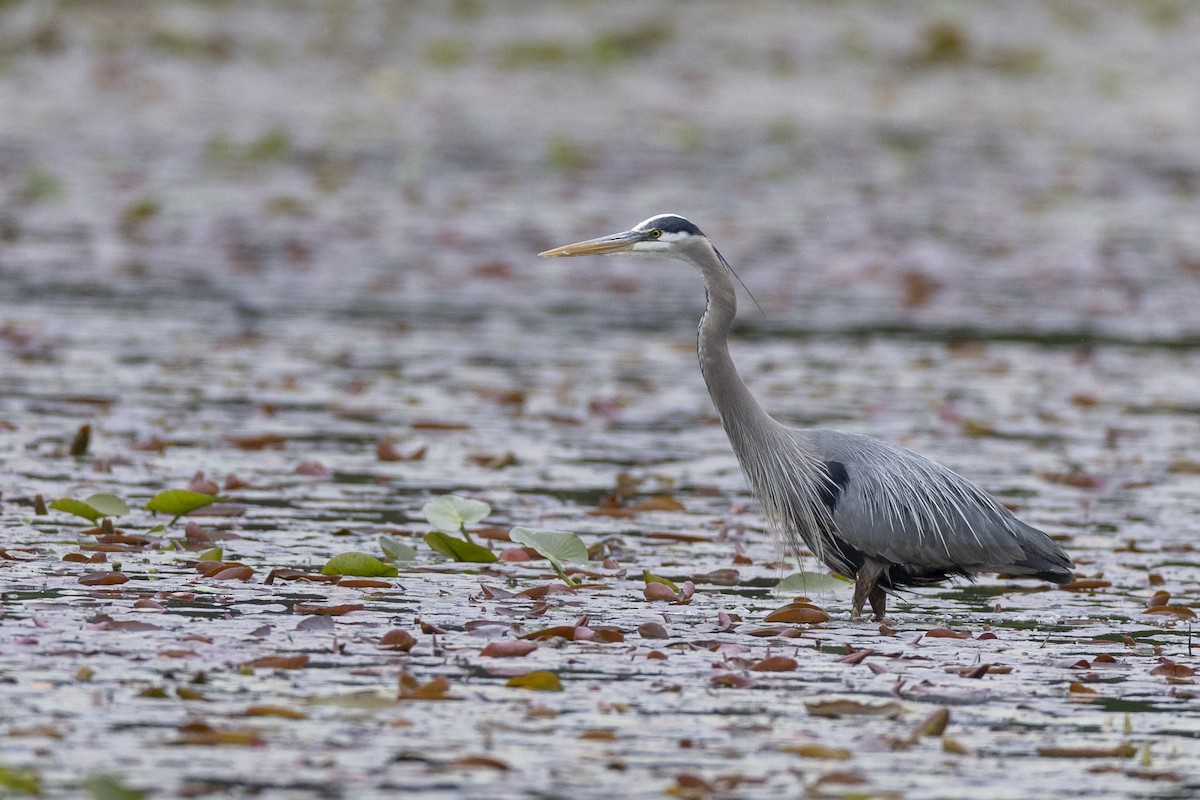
{"type": "Point", "coordinates": [741, 415]}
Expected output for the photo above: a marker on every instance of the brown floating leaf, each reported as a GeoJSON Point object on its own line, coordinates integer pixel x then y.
{"type": "Point", "coordinates": [565, 631]}
{"type": "Point", "coordinates": [94, 558]}
{"type": "Point", "coordinates": [413, 689]}
{"type": "Point", "coordinates": [1183, 612]}
{"type": "Point", "coordinates": [1084, 585]}
{"type": "Point", "coordinates": [1173, 670]}
{"type": "Point", "coordinates": [732, 680]}
{"type": "Point", "coordinates": [1076, 479]}
{"type": "Point", "coordinates": [386, 450]}
{"type": "Point", "coordinates": [105, 578]}
{"type": "Point", "coordinates": [284, 574]}
{"type": "Point", "coordinates": [437, 425]}
{"type": "Point", "coordinates": [313, 469]}
{"type": "Point", "coordinates": [540, 681]}
{"type": "Point", "coordinates": [201, 733]}
{"type": "Point", "coordinates": [232, 572]}
{"type": "Point", "coordinates": [397, 639]}
{"type": "Point", "coordinates": [933, 725]}
{"type": "Point", "coordinates": [327, 611]}
{"type": "Point", "coordinates": [296, 661]}
{"type": "Point", "coordinates": [1078, 688]}
{"type": "Point", "coordinates": [812, 750]}
{"type": "Point", "coordinates": [479, 762]}
{"type": "Point", "coordinates": [851, 708]}
{"type": "Point", "coordinates": [775, 664]}
{"type": "Point", "coordinates": [652, 630]}
{"type": "Point", "coordinates": [259, 442]}
{"type": "Point", "coordinates": [202, 485]}
{"type": "Point", "coordinates": [606, 634]}
{"type": "Point", "coordinates": [721, 577]}
{"type": "Point", "coordinates": [947, 633]}
{"type": "Point", "coordinates": [658, 503]}
{"type": "Point", "coordinates": [1125, 750]}
{"type": "Point", "coordinates": [798, 614]}
{"type": "Point", "coordinates": [365, 583]}
{"type": "Point", "coordinates": [659, 591]}
{"type": "Point", "coordinates": [1160, 598]}
{"type": "Point", "coordinates": [508, 649]}
{"type": "Point", "coordinates": [274, 711]}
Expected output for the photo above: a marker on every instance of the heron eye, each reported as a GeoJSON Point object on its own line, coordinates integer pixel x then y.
{"type": "Point", "coordinates": [655, 233]}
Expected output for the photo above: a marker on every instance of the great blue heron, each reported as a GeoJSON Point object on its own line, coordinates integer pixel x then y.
{"type": "Point", "coordinates": [865, 507]}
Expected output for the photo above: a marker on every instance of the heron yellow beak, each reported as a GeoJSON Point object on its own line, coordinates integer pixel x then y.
{"type": "Point", "coordinates": [605, 245]}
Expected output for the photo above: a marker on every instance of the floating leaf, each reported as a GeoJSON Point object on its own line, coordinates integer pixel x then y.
{"type": "Point", "coordinates": [560, 547]}
{"type": "Point", "coordinates": [452, 513]}
{"type": "Point", "coordinates": [25, 781]}
{"type": "Point", "coordinates": [278, 662]}
{"type": "Point", "coordinates": [508, 648]}
{"type": "Point", "coordinates": [775, 664]}
{"type": "Point", "coordinates": [458, 549]}
{"type": "Point", "coordinates": [77, 507]}
{"type": "Point", "coordinates": [397, 639]}
{"type": "Point", "coordinates": [201, 733]}
{"type": "Point", "coordinates": [817, 751]}
{"type": "Point", "coordinates": [109, 505]}
{"type": "Point", "coordinates": [107, 787]}
{"type": "Point", "coordinates": [813, 582]}
{"type": "Point", "coordinates": [1125, 750]}
{"type": "Point", "coordinates": [649, 577]}
{"type": "Point", "coordinates": [851, 708]}
{"type": "Point", "coordinates": [358, 564]}
{"type": "Point", "coordinates": [103, 578]}
{"type": "Point", "coordinates": [798, 614]}
{"type": "Point", "coordinates": [215, 554]}
{"type": "Point", "coordinates": [539, 681]}
{"type": "Point", "coordinates": [396, 550]}
{"type": "Point", "coordinates": [412, 689]}
{"type": "Point", "coordinates": [327, 611]}
{"type": "Point", "coordinates": [178, 502]}
{"type": "Point", "coordinates": [933, 725]}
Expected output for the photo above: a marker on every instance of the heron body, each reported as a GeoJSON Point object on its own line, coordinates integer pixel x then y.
{"type": "Point", "coordinates": [866, 508]}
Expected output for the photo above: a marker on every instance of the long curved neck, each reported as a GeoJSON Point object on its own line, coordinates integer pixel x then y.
{"type": "Point", "coordinates": [741, 415]}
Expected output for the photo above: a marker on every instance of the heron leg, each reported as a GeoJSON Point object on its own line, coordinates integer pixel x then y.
{"type": "Point", "coordinates": [864, 588]}
{"type": "Point", "coordinates": [878, 603]}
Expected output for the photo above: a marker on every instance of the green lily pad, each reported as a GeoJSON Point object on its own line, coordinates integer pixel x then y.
{"type": "Point", "coordinates": [458, 549]}
{"type": "Point", "coordinates": [23, 781]}
{"type": "Point", "coordinates": [178, 502]}
{"type": "Point", "coordinates": [560, 546]}
{"type": "Point", "coordinates": [78, 508]}
{"type": "Point", "coordinates": [359, 565]}
{"type": "Point", "coordinates": [396, 550]}
{"type": "Point", "coordinates": [814, 583]}
{"type": "Point", "coordinates": [452, 513]}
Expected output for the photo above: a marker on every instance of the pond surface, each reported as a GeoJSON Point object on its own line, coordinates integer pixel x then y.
{"type": "Point", "coordinates": [292, 248]}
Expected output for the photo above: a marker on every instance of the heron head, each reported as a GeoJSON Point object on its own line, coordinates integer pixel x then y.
{"type": "Point", "coordinates": [664, 235]}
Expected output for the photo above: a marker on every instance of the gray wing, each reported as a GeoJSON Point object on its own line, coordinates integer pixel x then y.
{"type": "Point", "coordinates": [905, 509]}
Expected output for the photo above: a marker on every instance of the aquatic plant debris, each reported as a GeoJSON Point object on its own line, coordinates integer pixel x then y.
{"type": "Point", "coordinates": [282, 256]}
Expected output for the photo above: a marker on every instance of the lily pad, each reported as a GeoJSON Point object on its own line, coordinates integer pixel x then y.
{"type": "Point", "coordinates": [560, 546]}
{"type": "Point", "coordinates": [396, 550]}
{"type": "Point", "coordinates": [178, 502]}
{"type": "Point", "coordinates": [94, 507]}
{"type": "Point", "coordinates": [358, 564]}
{"type": "Point", "coordinates": [458, 549]}
{"type": "Point", "coordinates": [453, 514]}
{"type": "Point", "coordinates": [814, 583]}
